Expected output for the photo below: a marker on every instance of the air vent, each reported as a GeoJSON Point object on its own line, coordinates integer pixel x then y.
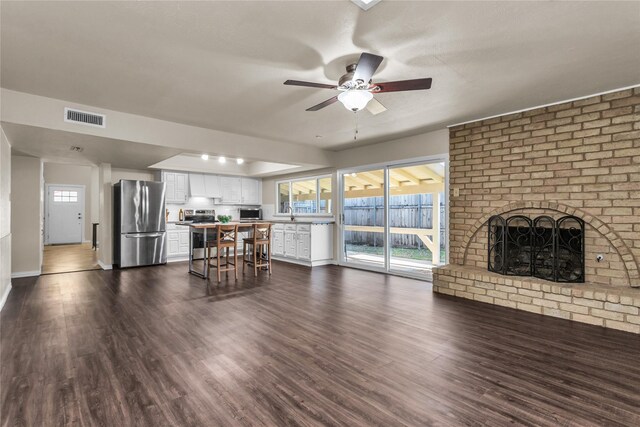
{"type": "Point", "coordinates": [84, 117]}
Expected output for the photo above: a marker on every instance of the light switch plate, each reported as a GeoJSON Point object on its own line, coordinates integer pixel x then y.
{"type": "Point", "coordinates": [456, 192]}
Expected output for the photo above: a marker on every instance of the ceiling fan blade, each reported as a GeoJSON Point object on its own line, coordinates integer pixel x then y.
{"type": "Point", "coordinates": [323, 104]}
{"type": "Point", "coordinates": [415, 84]}
{"type": "Point", "coordinates": [375, 107]}
{"type": "Point", "coordinates": [367, 65]}
{"type": "Point", "coordinates": [309, 84]}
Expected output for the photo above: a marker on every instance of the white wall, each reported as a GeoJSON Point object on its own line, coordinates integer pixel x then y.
{"type": "Point", "coordinates": [26, 215]}
{"type": "Point", "coordinates": [5, 218]}
{"type": "Point", "coordinates": [59, 173]}
{"type": "Point", "coordinates": [140, 175]}
{"type": "Point", "coordinates": [427, 144]}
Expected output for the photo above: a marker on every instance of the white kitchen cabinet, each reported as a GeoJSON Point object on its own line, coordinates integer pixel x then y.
{"type": "Point", "coordinates": [197, 185]}
{"type": "Point", "coordinates": [277, 240]}
{"type": "Point", "coordinates": [177, 186]}
{"type": "Point", "coordinates": [308, 244]}
{"type": "Point", "coordinates": [212, 186]}
{"type": "Point", "coordinates": [304, 246]}
{"type": "Point", "coordinates": [251, 191]}
{"type": "Point", "coordinates": [231, 187]}
{"type": "Point", "coordinates": [177, 241]}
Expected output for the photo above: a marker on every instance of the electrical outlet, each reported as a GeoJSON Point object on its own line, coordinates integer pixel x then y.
{"type": "Point", "coordinates": [456, 192]}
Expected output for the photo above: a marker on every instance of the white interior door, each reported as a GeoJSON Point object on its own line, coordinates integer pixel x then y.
{"type": "Point", "coordinates": [64, 218]}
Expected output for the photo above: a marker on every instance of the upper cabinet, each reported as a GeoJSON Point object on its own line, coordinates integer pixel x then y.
{"type": "Point", "coordinates": [196, 185]}
{"type": "Point", "coordinates": [205, 185]}
{"type": "Point", "coordinates": [177, 183]}
{"type": "Point", "coordinates": [230, 190]}
{"type": "Point", "coordinates": [251, 191]}
{"type": "Point", "coordinates": [212, 186]}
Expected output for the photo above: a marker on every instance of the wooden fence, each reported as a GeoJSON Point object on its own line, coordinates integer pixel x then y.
{"type": "Point", "coordinates": [406, 211]}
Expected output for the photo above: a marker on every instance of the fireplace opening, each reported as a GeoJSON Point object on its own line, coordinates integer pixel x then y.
{"type": "Point", "coordinates": [543, 247]}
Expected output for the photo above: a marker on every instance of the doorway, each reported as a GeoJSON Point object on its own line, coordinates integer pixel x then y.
{"type": "Point", "coordinates": [393, 218]}
{"type": "Point", "coordinates": [65, 249]}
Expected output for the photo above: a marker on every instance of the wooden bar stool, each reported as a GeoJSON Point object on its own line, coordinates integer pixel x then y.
{"type": "Point", "coordinates": [260, 241]}
{"type": "Point", "coordinates": [226, 238]}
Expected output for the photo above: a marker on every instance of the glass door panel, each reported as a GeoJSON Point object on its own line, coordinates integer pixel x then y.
{"type": "Point", "coordinates": [363, 218]}
{"type": "Point", "coordinates": [416, 217]}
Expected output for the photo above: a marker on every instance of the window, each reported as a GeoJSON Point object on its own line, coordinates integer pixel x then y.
{"type": "Point", "coordinates": [61, 196]}
{"type": "Point", "coordinates": [310, 196]}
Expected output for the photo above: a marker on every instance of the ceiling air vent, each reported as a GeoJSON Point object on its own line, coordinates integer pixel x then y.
{"type": "Point", "coordinates": [84, 117]}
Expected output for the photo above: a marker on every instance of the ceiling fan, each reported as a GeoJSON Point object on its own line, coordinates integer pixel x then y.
{"type": "Point", "coordinates": [357, 89]}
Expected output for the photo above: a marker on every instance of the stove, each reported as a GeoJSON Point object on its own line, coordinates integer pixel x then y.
{"type": "Point", "coordinates": [199, 216]}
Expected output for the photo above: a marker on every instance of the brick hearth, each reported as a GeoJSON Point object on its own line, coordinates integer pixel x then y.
{"type": "Point", "coordinates": [580, 158]}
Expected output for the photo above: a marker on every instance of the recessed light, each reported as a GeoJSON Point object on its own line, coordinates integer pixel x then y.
{"type": "Point", "coordinates": [240, 161]}
{"type": "Point", "coordinates": [222, 159]}
{"type": "Point", "coordinates": [205, 157]}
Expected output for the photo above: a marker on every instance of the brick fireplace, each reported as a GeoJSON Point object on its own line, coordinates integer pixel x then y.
{"type": "Point", "coordinates": [579, 158]}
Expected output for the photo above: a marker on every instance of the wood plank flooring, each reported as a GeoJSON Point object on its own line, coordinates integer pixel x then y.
{"type": "Point", "coordinates": [68, 258]}
{"type": "Point", "coordinates": [324, 346]}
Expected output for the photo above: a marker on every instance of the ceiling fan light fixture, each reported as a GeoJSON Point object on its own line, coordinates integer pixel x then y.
{"type": "Point", "coordinates": [355, 100]}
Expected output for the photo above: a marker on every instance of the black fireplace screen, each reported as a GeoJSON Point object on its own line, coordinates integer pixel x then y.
{"type": "Point", "coordinates": [543, 247]}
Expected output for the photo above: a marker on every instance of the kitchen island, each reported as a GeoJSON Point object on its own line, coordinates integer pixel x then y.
{"type": "Point", "coordinates": [203, 232]}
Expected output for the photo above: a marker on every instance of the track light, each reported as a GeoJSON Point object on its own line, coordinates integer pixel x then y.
{"type": "Point", "coordinates": [222, 159]}
{"type": "Point", "coordinates": [205, 157]}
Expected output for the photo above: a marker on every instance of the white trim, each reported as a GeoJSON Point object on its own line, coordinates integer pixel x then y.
{"type": "Point", "coordinates": [105, 266]}
{"type": "Point", "coordinates": [20, 274]}
{"type": "Point", "coordinates": [5, 296]}
{"type": "Point", "coordinates": [545, 105]}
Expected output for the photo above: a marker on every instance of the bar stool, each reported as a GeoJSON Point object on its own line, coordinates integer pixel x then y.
{"type": "Point", "coordinates": [226, 238]}
{"type": "Point", "coordinates": [259, 241]}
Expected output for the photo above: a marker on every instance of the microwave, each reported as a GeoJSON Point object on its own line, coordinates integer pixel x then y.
{"type": "Point", "coordinates": [250, 214]}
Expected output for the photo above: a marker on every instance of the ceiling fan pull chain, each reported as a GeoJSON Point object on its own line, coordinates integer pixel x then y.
{"type": "Point", "coordinates": [355, 135]}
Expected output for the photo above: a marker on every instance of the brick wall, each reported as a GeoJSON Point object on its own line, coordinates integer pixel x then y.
{"type": "Point", "coordinates": [580, 157]}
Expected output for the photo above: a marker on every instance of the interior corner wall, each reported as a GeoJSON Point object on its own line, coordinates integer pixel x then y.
{"type": "Point", "coordinates": [105, 237]}
{"type": "Point", "coordinates": [62, 173]}
{"type": "Point", "coordinates": [5, 217]}
{"type": "Point", "coordinates": [26, 217]}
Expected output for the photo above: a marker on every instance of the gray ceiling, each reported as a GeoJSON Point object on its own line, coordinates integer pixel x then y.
{"type": "Point", "coordinates": [221, 65]}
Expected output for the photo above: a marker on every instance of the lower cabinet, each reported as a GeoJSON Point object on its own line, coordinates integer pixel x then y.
{"type": "Point", "coordinates": [177, 241]}
{"type": "Point", "coordinates": [309, 244]}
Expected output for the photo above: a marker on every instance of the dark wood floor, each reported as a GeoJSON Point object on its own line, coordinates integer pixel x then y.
{"type": "Point", "coordinates": [323, 346]}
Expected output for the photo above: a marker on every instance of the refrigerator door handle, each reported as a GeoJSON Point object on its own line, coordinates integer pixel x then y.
{"type": "Point", "coordinates": [141, 236]}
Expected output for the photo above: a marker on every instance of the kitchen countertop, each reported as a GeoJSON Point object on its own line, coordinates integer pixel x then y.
{"type": "Point", "coordinates": [301, 221]}
{"type": "Point", "coordinates": [274, 221]}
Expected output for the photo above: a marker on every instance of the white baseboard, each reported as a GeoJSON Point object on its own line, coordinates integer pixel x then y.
{"type": "Point", "coordinates": [303, 262]}
{"type": "Point", "coordinates": [178, 259]}
{"type": "Point", "coordinates": [5, 296]}
{"type": "Point", "coordinates": [19, 274]}
{"type": "Point", "coordinates": [105, 266]}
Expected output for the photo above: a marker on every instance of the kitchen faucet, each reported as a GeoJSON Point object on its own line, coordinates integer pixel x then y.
{"type": "Point", "coordinates": [290, 209]}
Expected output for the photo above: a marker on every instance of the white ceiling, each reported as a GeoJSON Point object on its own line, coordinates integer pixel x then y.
{"type": "Point", "coordinates": [55, 146]}
{"type": "Point", "coordinates": [221, 65]}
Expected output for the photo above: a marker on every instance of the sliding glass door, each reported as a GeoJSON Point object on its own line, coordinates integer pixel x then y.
{"type": "Point", "coordinates": [393, 218]}
{"type": "Point", "coordinates": [363, 218]}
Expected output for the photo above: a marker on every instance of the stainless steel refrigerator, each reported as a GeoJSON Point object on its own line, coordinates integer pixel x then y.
{"type": "Point", "coordinates": [139, 223]}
